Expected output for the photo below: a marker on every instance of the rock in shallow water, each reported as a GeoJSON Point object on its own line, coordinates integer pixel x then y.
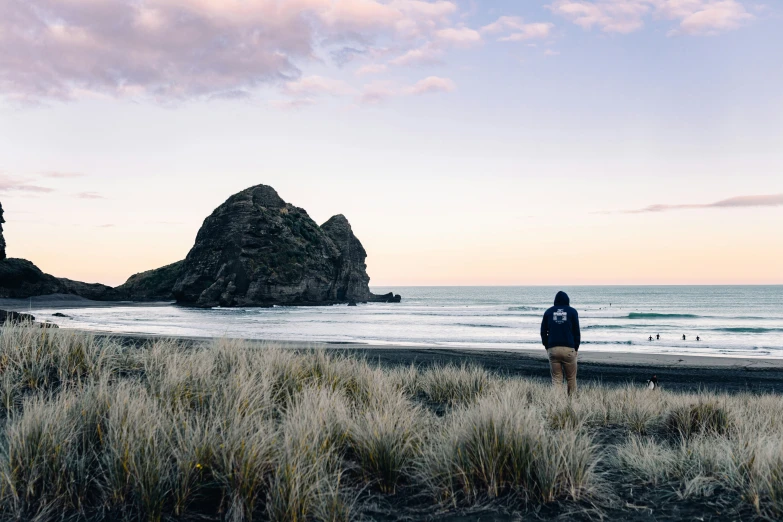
{"type": "Point", "coordinates": [16, 318]}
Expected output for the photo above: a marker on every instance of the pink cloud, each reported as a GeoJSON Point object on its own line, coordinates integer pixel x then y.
{"type": "Point", "coordinates": [517, 30]}
{"type": "Point", "coordinates": [714, 18]}
{"type": "Point", "coordinates": [535, 31]}
{"type": "Point", "coordinates": [316, 85]}
{"type": "Point", "coordinates": [297, 103]}
{"type": "Point", "coordinates": [378, 92]}
{"type": "Point", "coordinates": [462, 36]}
{"type": "Point", "coordinates": [696, 17]}
{"type": "Point", "coordinates": [427, 55]}
{"type": "Point", "coordinates": [372, 68]}
{"type": "Point", "coordinates": [765, 200]}
{"type": "Point", "coordinates": [612, 16]}
{"type": "Point", "coordinates": [61, 175]}
{"type": "Point", "coordinates": [503, 24]}
{"type": "Point", "coordinates": [432, 84]}
{"type": "Point", "coordinates": [13, 184]}
{"type": "Point", "coordinates": [89, 195]}
{"type": "Point", "coordinates": [179, 49]}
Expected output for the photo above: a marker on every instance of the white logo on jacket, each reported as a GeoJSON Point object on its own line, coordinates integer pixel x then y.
{"type": "Point", "coordinates": [560, 316]}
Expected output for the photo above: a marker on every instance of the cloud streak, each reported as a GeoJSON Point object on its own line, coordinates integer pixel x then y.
{"type": "Point", "coordinates": [432, 84]}
{"type": "Point", "coordinates": [767, 200]}
{"type": "Point", "coordinates": [516, 30]}
{"type": "Point", "coordinates": [9, 184]}
{"type": "Point", "coordinates": [317, 85]}
{"type": "Point", "coordinates": [61, 175]}
{"type": "Point", "coordinates": [89, 195]}
{"type": "Point", "coordinates": [694, 17]}
{"type": "Point", "coordinates": [378, 92]}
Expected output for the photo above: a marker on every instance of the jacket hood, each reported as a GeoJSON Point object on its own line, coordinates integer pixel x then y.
{"type": "Point", "coordinates": [561, 299]}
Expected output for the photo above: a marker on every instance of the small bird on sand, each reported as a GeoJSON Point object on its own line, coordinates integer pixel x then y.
{"type": "Point", "coordinates": [652, 383]}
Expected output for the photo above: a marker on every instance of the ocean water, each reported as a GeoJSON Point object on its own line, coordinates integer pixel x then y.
{"type": "Point", "coordinates": [731, 321]}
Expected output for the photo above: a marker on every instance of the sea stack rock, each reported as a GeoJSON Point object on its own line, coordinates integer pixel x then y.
{"type": "Point", "coordinates": [351, 270]}
{"type": "Point", "coordinates": [257, 250]}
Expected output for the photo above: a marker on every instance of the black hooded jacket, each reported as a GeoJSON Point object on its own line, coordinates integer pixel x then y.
{"type": "Point", "coordinates": [560, 326]}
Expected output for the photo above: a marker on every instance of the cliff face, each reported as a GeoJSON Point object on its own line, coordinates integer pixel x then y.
{"type": "Point", "coordinates": [352, 279]}
{"type": "Point", "coordinates": [20, 278]}
{"type": "Point", "coordinates": [2, 239]}
{"type": "Point", "coordinates": [152, 285]}
{"type": "Point", "coordinates": [257, 250]}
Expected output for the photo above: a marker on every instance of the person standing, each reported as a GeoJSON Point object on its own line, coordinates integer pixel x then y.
{"type": "Point", "coordinates": [561, 336]}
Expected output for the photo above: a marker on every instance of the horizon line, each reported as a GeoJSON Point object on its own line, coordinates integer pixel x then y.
{"type": "Point", "coordinates": [578, 285]}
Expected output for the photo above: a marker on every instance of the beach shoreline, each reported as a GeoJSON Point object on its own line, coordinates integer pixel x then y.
{"type": "Point", "coordinates": [675, 371]}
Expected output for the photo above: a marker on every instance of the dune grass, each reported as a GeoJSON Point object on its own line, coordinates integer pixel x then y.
{"type": "Point", "coordinates": [226, 430]}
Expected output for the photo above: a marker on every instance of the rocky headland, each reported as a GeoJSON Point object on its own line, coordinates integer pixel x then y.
{"type": "Point", "coordinates": [253, 250]}
{"type": "Point", "coordinates": [20, 278]}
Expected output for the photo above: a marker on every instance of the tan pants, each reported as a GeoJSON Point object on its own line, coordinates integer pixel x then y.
{"type": "Point", "coordinates": [563, 358]}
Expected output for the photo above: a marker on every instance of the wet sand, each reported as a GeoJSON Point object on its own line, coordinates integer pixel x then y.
{"type": "Point", "coordinates": [63, 301]}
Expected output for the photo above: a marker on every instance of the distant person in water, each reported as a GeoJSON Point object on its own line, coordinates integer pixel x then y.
{"type": "Point", "coordinates": [683, 337]}
{"type": "Point", "coordinates": [657, 337]}
{"type": "Point", "coordinates": [650, 338]}
{"type": "Point", "coordinates": [560, 336]}
{"type": "Point", "coordinates": [697, 338]}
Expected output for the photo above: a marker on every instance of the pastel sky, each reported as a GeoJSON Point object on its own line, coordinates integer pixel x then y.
{"type": "Point", "coordinates": [483, 143]}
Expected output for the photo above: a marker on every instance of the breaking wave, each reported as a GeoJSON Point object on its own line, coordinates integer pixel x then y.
{"type": "Point", "coordinates": [642, 315]}
{"type": "Point", "coordinates": [482, 325]}
{"type": "Point", "coordinates": [748, 330]}
{"type": "Point", "coordinates": [525, 308]}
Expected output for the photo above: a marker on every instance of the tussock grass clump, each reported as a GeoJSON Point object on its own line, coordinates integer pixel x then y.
{"type": "Point", "coordinates": [647, 460]}
{"type": "Point", "coordinates": [38, 454]}
{"type": "Point", "coordinates": [495, 448]}
{"type": "Point", "coordinates": [569, 414]}
{"type": "Point", "coordinates": [455, 385]}
{"type": "Point", "coordinates": [387, 439]}
{"type": "Point", "coordinates": [137, 460]}
{"type": "Point", "coordinates": [307, 478]}
{"type": "Point", "coordinates": [706, 417]}
{"type": "Point", "coordinates": [45, 360]}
